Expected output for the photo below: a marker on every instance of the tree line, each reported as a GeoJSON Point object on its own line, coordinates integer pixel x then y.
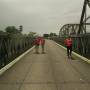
{"type": "Point", "coordinates": [12, 30]}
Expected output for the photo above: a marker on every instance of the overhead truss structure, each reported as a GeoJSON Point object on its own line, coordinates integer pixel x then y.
{"type": "Point", "coordinates": [77, 29]}
{"type": "Point", "coordinates": [84, 17]}
{"type": "Point", "coordinates": [78, 32]}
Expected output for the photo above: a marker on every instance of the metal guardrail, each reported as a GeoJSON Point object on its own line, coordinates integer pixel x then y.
{"type": "Point", "coordinates": [12, 46]}
{"type": "Point", "coordinates": [81, 44]}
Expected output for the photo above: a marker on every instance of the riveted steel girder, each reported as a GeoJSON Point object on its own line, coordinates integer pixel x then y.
{"type": "Point", "coordinates": [83, 17]}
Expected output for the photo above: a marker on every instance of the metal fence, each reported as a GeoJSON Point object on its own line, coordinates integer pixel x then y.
{"type": "Point", "coordinates": [12, 46]}
{"type": "Point", "coordinates": [81, 44]}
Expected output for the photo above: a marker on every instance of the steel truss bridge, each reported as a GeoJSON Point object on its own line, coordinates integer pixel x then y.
{"type": "Point", "coordinates": [49, 71]}
{"type": "Point", "coordinates": [12, 46]}
{"type": "Point", "coordinates": [78, 32]}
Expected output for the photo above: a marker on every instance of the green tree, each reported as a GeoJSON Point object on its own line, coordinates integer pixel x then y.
{"type": "Point", "coordinates": [32, 34]}
{"type": "Point", "coordinates": [12, 30]}
{"type": "Point", "coordinates": [53, 34]}
{"type": "Point", "coordinates": [1, 31]}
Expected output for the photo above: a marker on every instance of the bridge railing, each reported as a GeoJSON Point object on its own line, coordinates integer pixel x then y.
{"type": "Point", "coordinates": [12, 46]}
{"type": "Point", "coordinates": [81, 44]}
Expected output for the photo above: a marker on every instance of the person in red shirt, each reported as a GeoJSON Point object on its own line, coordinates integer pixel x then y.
{"type": "Point", "coordinates": [68, 43]}
{"type": "Point", "coordinates": [37, 43]}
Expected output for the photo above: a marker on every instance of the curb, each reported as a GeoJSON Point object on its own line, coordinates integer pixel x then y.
{"type": "Point", "coordinates": [79, 56]}
{"type": "Point", "coordinates": [14, 61]}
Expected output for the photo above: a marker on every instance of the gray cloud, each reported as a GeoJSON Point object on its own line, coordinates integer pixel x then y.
{"type": "Point", "coordinates": [42, 16]}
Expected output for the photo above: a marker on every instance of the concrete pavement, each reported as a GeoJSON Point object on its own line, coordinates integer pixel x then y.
{"type": "Point", "coordinates": [49, 71]}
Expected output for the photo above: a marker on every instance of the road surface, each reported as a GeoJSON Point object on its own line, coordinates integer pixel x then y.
{"type": "Point", "coordinates": [49, 71]}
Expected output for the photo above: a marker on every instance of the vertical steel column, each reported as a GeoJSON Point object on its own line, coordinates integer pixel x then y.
{"type": "Point", "coordinates": [82, 17]}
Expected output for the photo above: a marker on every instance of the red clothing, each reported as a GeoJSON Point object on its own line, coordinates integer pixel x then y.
{"type": "Point", "coordinates": [68, 42]}
{"type": "Point", "coordinates": [42, 41]}
{"type": "Point", "coordinates": [37, 41]}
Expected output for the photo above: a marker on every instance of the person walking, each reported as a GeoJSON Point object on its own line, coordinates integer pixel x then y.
{"type": "Point", "coordinates": [37, 43]}
{"type": "Point", "coordinates": [68, 43]}
{"type": "Point", "coordinates": [42, 41]}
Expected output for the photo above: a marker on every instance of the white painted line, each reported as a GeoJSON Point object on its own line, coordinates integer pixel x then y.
{"type": "Point", "coordinates": [14, 61]}
{"type": "Point", "coordinates": [61, 46]}
{"type": "Point", "coordinates": [83, 58]}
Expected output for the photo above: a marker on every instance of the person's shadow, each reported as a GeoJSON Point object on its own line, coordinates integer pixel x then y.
{"type": "Point", "coordinates": [36, 53]}
{"type": "Point", "coordinates": [43, 52]}
{"type": "Point", "coordinates": [39, 53]}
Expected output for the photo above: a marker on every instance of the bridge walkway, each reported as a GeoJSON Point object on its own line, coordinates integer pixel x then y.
{"type": "Point", "coordinates": [49, 71]}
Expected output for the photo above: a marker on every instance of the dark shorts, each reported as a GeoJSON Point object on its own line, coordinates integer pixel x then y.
{"type": "Point", "coordinates": [69, 50]}
{"type": "Point", "coordinates": [69, 47]}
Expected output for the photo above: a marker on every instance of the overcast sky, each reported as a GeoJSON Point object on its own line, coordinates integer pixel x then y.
{"type": "Point", "coordinates": [42, 16]}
